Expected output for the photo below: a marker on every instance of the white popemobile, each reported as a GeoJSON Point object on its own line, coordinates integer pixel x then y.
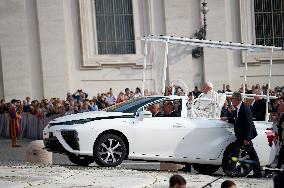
{"type": "Point", "coordinates": [128, 131]}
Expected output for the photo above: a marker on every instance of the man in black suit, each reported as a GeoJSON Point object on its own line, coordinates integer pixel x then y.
{"type": "Point", "coordinates": [279, 180]}
{"type": "Point", "coordinates": [258, 108]}
{"type": "Point", "coordinates": [244, 132]}
{"type": "Point", "coordinates": [169, 110]}
{"type": "Point", "coordinates": [155, 110]}
{"type": "Point", "coordinates": [281, 134]}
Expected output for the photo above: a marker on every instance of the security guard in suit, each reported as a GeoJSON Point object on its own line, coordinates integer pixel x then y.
{"type": "Point", "coordinates": [245, 132]}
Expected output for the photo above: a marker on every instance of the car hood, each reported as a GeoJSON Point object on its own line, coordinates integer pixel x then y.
{"type": "Point", "coordinates": [86, 115]}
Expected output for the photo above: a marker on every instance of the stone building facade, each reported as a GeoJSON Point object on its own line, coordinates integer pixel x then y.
{"type": "Point", "coordinates": [50, 47]}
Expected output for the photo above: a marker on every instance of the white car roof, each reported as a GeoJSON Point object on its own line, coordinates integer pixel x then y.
{"type": "Point", "coordinates": [172, 97]}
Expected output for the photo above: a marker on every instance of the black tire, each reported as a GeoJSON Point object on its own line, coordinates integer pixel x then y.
{"type": "Point", "coordinates": [206, 169]}
{"type": "Point", "coordinates": [186, 168]}
{"type": "Point", "coordinates": [109, 151]}
{"type": "Point", "coordinates": [80, 160]}
{"type": "Point", "coordinates": [237, 169]}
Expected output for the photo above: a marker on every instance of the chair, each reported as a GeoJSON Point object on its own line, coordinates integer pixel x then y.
{"type": "Point", "coordinates": [219, 105]}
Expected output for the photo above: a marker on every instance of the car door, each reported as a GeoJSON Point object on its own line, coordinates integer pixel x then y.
{"type": "Point", "coordinates": [205, 139]}
{"type": "Point", "coordinates": [157, 137]}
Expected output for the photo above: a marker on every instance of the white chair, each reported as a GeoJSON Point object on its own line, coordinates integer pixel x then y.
{"type": "Point", "coordinates": [218, 107]}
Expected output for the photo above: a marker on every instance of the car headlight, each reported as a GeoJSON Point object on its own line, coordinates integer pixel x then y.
{"type": "Point", "coordinates": [72, 122]}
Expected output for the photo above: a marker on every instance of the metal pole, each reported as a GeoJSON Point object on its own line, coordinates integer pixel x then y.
{"type": "Point", "coordinates": [269, 81]}
{"type": "Point", "coordinates": [245, 74]}
{"type": "Point", "coordinates": [165, 65]}
{"type": "Point", "coordinates": [204, 20]}
{"type": "Point", "coordinates": [144, 67]}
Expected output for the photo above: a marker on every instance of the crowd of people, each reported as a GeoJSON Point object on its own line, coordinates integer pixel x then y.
{"type": "Point", "coordinates": [74, 103]}
{"type": "Point", "coordinates": [80, 101]}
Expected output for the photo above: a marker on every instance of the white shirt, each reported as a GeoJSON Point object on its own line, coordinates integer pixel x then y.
{"type": "Point", "coordinates": [110, 99]}
{"type": "Point", "coordinates": [238, 108]}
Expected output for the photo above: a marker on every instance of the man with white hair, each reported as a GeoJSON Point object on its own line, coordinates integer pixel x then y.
{"type": "Point", "coordinates": [206, 101]}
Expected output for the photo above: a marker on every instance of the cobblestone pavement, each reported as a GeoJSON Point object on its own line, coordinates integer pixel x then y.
{"type": "Point", "coordinates": [16, 173]}
{"type": "Point", "coordinates": [17, 155]}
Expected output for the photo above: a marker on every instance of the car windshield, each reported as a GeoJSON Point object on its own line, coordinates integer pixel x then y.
{"type": "Point", "coordinates": [132, 105]}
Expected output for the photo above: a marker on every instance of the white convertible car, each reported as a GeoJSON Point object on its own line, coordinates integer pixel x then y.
{"type": "Point", "coordinates": [128, 131]}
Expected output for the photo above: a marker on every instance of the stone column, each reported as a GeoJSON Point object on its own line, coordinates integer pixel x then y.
{"type": "Point", "coordinates": [182, 19]}
{"type": "Point", "coordinates": [216, 61]}
{"type": "Point", "coordinates": [51, 19]}
{"type": "Point", "coordinates": [14, 49]}
{"type": "Point", "coordinates": [1, 78]}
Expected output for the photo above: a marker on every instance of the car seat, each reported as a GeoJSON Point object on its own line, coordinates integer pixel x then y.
{"type": "Point", "coordinates": [219, 105]}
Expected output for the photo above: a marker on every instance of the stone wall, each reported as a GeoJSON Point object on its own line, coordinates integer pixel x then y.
{"type": "Point", "coordinates": [41, 48]}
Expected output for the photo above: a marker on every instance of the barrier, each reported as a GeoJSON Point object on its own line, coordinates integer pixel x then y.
{"type": "Point", "coordinates": [31, 126]}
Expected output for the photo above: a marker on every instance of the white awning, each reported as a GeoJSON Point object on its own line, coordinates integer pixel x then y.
{"type": "Point", "coordinates": [208, 43]}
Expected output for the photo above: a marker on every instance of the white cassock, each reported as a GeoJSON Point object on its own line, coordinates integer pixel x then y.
{"type": "Point", "coordinates": [203, 108]}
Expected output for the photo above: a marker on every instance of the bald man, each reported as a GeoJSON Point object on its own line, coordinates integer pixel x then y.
{"type": "Point", "coordinates": [202, 108]}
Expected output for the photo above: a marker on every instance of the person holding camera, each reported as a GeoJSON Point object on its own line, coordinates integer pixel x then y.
{"type": "Point", "coordinates": [80, 95]}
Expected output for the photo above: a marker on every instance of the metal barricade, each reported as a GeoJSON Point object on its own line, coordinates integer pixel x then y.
{"type": "Point", "coordinates": [31, 126]}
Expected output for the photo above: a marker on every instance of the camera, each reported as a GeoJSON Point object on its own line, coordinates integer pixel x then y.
{"type": "Point", "coordinates": [229, 104]}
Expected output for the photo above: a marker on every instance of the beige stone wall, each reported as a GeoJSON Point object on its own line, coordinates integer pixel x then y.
{"type": "Point", "coordinates": [180, 19]}
{"type": "Point", "coordinates": [109, 75]}
{"type": "Point", "coordinates": [41, 48]}
{"type": "Point", "coordinates": [52, 32]}
{"type": "Point", "coordinates": [13, 43]}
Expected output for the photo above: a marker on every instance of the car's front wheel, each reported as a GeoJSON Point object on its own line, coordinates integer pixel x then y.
{"type": "Point", "coordinates": [80, 160]}
{"type": "Point", "coordinates": [206, 169]}
{"type": "Point", "coordinates": [236, 168]}
{"type": "Point", "coordinates": [109, 150]}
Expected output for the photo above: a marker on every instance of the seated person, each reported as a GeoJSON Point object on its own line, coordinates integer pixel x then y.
{"type": "Point", "coordinates": [169, 109]}
{"type": "Point", "coordinates": [155, 110]}
{"type": "Point", "coordinates": [202, 108]}
{"type": "Point", "coordinates": [258, 106]}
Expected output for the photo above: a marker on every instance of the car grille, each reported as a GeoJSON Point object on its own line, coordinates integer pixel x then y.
{"type": "Point", "coordinates": [52, 144]}
{"type": "Point", "coordinates": [71, 138]}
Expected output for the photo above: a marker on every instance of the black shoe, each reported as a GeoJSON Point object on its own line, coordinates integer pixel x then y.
{"type": "Point", "coordinates": [267, 174]}
{"type": "Point", "coordinates": [279, 166]}
{"type": "Point", "coordinates": [17, 145]}
{"type": "Point", "coordinates": [255, 176]}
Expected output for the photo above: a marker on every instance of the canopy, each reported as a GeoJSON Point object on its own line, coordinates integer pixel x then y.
{"type": "Point", "coordinates": [210, 44]}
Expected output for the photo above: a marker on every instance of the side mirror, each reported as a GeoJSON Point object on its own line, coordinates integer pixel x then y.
{"type": "Point", "coordinates": [144, 114]}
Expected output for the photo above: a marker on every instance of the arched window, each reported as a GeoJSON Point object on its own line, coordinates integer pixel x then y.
{"type": "Point", "coordinates": [269, 22]}
{"type": "Point", "coordinates": [114, 25]}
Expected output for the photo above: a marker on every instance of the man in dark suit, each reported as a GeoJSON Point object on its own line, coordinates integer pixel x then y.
{"type": "Point", "coordinates": [258, 108]}
{"type": "Point", "coordinates": [244, 132]}
{"type": "Point", "coordinates": [155, 110]}
{"type": "Point", "coordinates": [281, 134]}
{"type": "Point", "coordinates": [279, 180]}
{"type": "Point", "coordinates": [169, 110]}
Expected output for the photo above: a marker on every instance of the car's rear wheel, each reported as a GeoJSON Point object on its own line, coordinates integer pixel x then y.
{"type": "Point", "coordinates": [236, 168]}
{"type": "Point", "coordinates": [206, 169]}
{"type": "Point", "coordinates": [80, 160]}
{"type": "Point", "coordinates": [109, 150]}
